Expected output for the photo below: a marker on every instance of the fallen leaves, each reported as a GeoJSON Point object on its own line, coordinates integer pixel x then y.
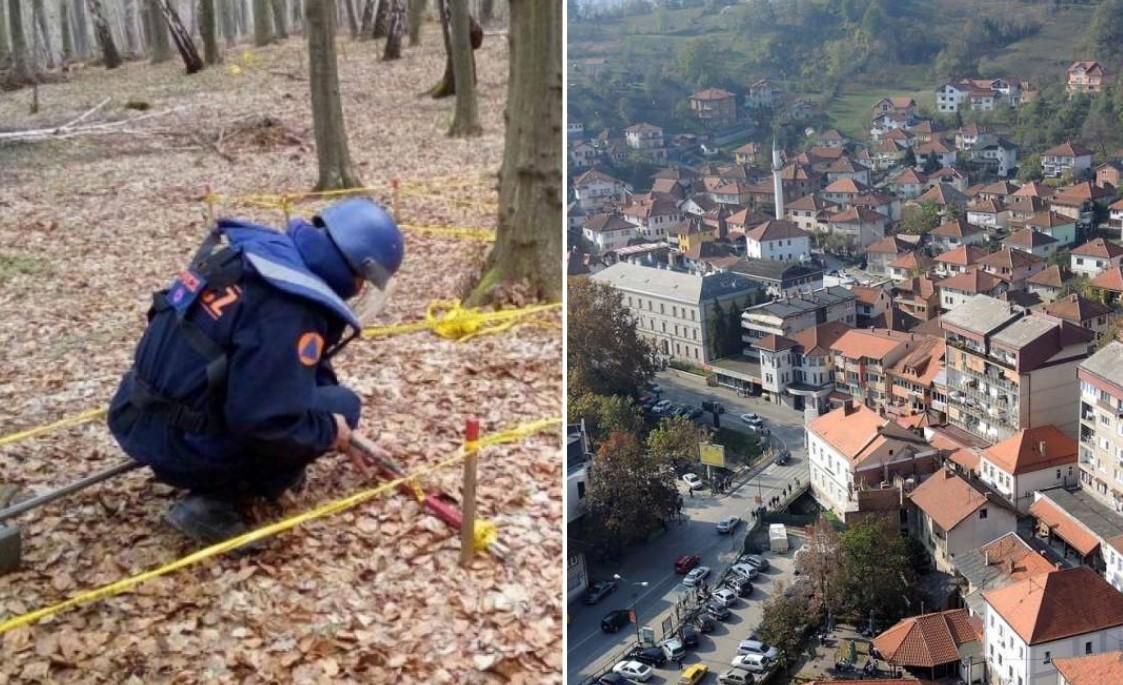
{"type": "Point", "coordinates": [371, 595]}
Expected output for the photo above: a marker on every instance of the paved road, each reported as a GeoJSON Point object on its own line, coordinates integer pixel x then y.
{"type": "Point", "coordinates": [588, 647]}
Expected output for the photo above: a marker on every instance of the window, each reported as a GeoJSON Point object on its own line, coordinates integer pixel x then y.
{"type": "Point", "coordinates": [982, 513]}
{"type": "Point", "coordinates": [1048, 658]}
{"type": "Point", "coordinates": [580, 489]}
{"type": "Point", "coordinates": [662, 308]}
{"type": "Point", "coordinates": [1088, 647]}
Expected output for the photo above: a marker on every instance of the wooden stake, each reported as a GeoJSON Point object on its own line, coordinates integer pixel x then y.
{"type": "Point", "coordinates": [468, 506]}
{"type": "Point", "coordinates": [397, 205]}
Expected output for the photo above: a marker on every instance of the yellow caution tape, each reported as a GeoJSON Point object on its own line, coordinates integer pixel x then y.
{"type": "Point", "coordinates": [448, 319]}
{"type": "Point", "coordinates": [463, 232]}
{"type": "Point", "coordinates": [481, 533]}
{"type": "Point", "coordinates": [484, 535]}
{"type": "Point", "coordinates": [84, 417]}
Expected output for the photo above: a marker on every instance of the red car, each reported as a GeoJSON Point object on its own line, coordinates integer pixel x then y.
{"type": "Point", "coordinates": [686, 562]}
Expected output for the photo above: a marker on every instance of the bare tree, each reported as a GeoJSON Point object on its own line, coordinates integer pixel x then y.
{"type": "Point", "coordinates": [297, 15]}
{"type": "Point", "coordinates": [182, 39]}
{"type": "Point", "coordinates": [64, 31]}
{"type": "Point", "coordinates": [104, 36]}
{"type": "Point", "coordinates": [352, 20]}
{"type": "Point", "coordinates": [395, 29]}
{"type": "Point", "coordinates": [466, 121]}
{"type": "Point", "coordinates": [416, 16]}
{"type": "Point", "coordinates": [158, 33]}
{"type": "Point", "coordinates": [487, 11]}
{"type": "Point", "coordinates": [528, 246]}
{"type": "Point", "coordinates": [5, 44]}
{"type": "Point", "coordinates": [42, 31]}
{"type": "Point", "coordinates": [229, 23]}
{"type": "Point", "coordinates": [366, 20]}
{"type": "Point", "coordinates": [280, 19]}
{"type": "Point", "coordinates": [447, 85]}
{"type": "Point", "coordinates": [208, 26]}
{"type": "Point", "coordinates": [132, 43]}
{"type": "Point", "coordinates": [327, 110]}
{"type": "Point", "coordinates": [381, 20]}
{"type": "Point", "coordinates": [81, 29]}
{"type": "Point", "coordinates": [262, 23]}
{"type": "Point", "coordinates": [23, 71]}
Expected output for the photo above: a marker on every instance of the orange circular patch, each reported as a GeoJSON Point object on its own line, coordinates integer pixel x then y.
{"type": "Point", "coordinates": [309, 348]}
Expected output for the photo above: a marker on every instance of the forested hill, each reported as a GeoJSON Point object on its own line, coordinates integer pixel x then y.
{"type": "Point", "coordinates": [836, 53]}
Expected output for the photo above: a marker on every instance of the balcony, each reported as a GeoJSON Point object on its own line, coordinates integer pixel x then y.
{"type": "Point", "coordinates": [1110, 410]}
{"type": "Point", "coordinates": [1086, 413]}
{"type": "Point", "coordinates": [993, 379]}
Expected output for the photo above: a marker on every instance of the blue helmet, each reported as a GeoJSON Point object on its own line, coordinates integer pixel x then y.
{"type": "Point", "coordinates": [367, 237]}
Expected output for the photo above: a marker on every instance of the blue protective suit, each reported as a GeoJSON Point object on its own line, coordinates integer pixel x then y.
{"type": "Point", "coordinates": [272, 412]}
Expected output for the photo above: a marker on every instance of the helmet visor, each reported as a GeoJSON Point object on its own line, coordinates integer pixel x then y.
{"type": "Point", "coordinates": [372, 301]}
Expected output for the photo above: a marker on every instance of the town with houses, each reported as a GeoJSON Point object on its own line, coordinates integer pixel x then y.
{"type": "Point", "coordinates": [939, 326]}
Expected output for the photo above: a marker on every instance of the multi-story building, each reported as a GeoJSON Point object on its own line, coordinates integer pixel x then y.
{"type": "Point", "coordinates": [1095, 669]}
{"type": "Point", "coordinates": [1081, 530]}
{"type": "Point", "coordinates": [1094, 256]}
{"type": "Point", "coordinates": [952, 516]}
{"type": "Point", "coordinates": [1029, 460]}
{"type": "Point", "coordinates": [853, 449]}
{"type": "Point", "coordinates": [716, 108]}
{"type": "Point", "coordinates": [790, 314]}
{"type": "Point", "coordinates": [1007, 369]}
{"type": "Point", "coordinates": [779, 240]}
{"type": "Point", "coordinates": [645, 137]}
{"type": "Point", "coordinates": [607, 232]}
{"type": "Point", "coordinates": [653, 216]}
{"type": "Point", "coordinates": [798, 372]}
{"type": "Point", "coordinates": [1086, 77]}
{"type": "Point", "coordinates": [673, 309]}
{"type": "Point", "coordinates": [913, 378]}
{"type": "Point", "coordinates": [1115, 216]}
{"type": "Point", "coordinates": [1029, 624]}
{"type": "Point", "coordinates": [577, 462]}
{"type": "Point", "coordinates": [1012, 266]}
{"type": "Point", "coordinates": [1067, 158]}
{"type": "Point", "coordinates": [596, 190]}
{"type": "Point", "coordinates": [862, 358]}
{"type": "Point", "coordinates": [1101, 425]}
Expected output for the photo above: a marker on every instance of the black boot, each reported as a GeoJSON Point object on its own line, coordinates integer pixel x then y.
{"type": "Point", "coordinates": [206, 519]}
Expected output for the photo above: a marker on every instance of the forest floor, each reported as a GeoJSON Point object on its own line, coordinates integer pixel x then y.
{"type": "Point", "coordinates": [92, 225]}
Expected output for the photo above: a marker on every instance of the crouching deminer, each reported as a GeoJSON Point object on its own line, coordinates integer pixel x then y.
{"type": "Point", "coordinates": [231, 393]}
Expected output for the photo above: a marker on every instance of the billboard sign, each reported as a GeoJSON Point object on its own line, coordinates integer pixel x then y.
{"type": "Point", "coordinates": [711, 454]}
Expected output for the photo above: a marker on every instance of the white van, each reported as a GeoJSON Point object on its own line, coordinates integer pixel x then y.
{"type": "Point", "coordinates": [754, 663]}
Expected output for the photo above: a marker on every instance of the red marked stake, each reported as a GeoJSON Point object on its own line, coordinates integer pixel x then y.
{"type": "Point", "coordinates": [468, 524]}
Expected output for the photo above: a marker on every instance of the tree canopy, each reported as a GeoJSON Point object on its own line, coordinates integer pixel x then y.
{"type": "Point", "coordinates": [606, 355]}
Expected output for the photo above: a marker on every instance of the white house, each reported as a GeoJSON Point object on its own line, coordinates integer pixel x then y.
{"type": "Point", "coordinates": [1068, 157]}
{"type": "Point", "coordinates": [644, 136]}
{"type": "Point", "coordinates": [779, 240]}
{"type": "Point", "coordinates": [949, 97]}
{"type": "Point", "coordinates": [953, 517]}
{"type": "Point", "coordinates": [854, 448]}
{"type": "Point", "coordinates": [607, 232]}
{"type": "Point", "coordinates": [1095, 256]}
{"type": "Point", "coordinates": [1029, 624]}
{"type": "Point", "coordinates": [1029, 460]}
{"type": "Point", "coordinates": [596, 190]}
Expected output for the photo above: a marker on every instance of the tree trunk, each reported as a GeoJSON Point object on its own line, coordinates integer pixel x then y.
{"type": "Point", "coordinates": [395, 29]}
{"type": "Point", "coordinates": [352, 20]}
{"type": "Point", "coordinates": [447, 85]}
{"type": "Point", "coordinates": [366, 20]}
{"type": "Point", "coordinates": [381, 20]}
{"type": "Point", "coordinates": [39, 14]}
{"type": "Point", "coordinates": [132, 45]}
{"type": "Point", "coordinates": [297, 16]}
{"type": "Point", "coordinates": [104, 37]}
{"type": "Point", "coordinates": [5, 44]}
{"type": "Point", "coordinates": [466, 121]}
{"type": "Point", "coordinates": [262, 23]}
{"type": "Point", "coordinates": [243, 17]}
{"type": "Point", "coordinates": [487, 11]}
{"type": "Point", "coordinates": [280, 19]}
{"type": "Point", "coordinates": [23, 71]}
{"type": "Point", "coordinates": [229, 23]}
{"type": "Point", "coordinates": [158, 33]}
{"type": "Point", "coordinates": [416, 15]}
{"type": "Point", "coordinates": [81, 29]}
{"type": "Point", "coordinates": [64, 29]}
{"type": "Point", "coordinates": [207, 26]}
{"type": "Point", "coordinates": [183, 43]}
{"type": "Point", "coordinates": [528, 245]}
{"type": "Point", "coordinates": [327, 111]}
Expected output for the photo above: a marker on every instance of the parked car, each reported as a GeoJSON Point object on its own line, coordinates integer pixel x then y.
{"type": "Point", "coordinates": [758, 429]}
{"type": "Point", "coordinates": [725, 595]}
{"type": "Point", "coordinates": [689, 635]}
{"type": "Point", "coordinates": [662, 405]}
{"type": "Point", "coordinates": [599, 591]}
{"type": "Point", "coordinates": [751, 646]}
{"type": "Point", "coordinates": [693, 674]}
{"type": "Point", "coordinates": [783, 457]}
{"type": "Point", "coordinates": [746, 570]}
{"type": "Point", "coordinates": [705, 622]}
{"type": "Point", "coordinates": [728, 524]}
{"type": "Point", "coordinates": [717, 610]}
{"type": "Point", "coordinates": [686, 562]}
{"type": "Point", "coordinates": [736, 676]}
{"type": "Point", "coordinates": [695, 576]}
{"type": "Point", "coordinates": [633, 670]}
{"type": "Point", "coordinates": [652, 656]}
{"type": "Point", "coordinates": [692, 480]}
{"type": "Point", "coordinates": [611, 678]}
{"type": "Point", "coordinates": [756, 560]}
{"type": "Point", "coordinates": [615, 620]}
{"type": "Point", "coordinates": [695, 413]}
{"type": "Point", "coordinates": [751, 419]}
{"type": "Point", "coordinates": [673, 648]}
{"type": "Point", "coordinates": [739, 584]}
{"type": "Point", "coordinates": [754, 663]}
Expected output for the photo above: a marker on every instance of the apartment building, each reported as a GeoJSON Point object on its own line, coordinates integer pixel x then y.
{"type": "Point", "coordinates": [1007, 369]}
{"type": "Point", "coordinates": [1101, 425]}
{"type": "Point", "coordinates": [714, 107]}
{"type": "Point", "coordinates": [673, 309]}
{"type": "Point", "coordinates": [854, 449]}
{"type": "Point", "coordinates": [790, 314]}
{"type": "Point", "coordinates": [913, 377]}
{"type": "Point", "coordinates": [862, 358]}
{"type": "Point", "coordinates": [578, 459]}
{"type": "Point", "coordinates": [1029, 624]}
{"type": "Point", "coordinates": [798, 372]}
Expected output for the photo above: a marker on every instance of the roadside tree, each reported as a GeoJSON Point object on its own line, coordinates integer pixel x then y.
{"type": "Point", "coordinates": [630, 495]}
{"type": "Point", "coordinates": [605, 415]}
{"type": "Point", "coordinates": [876, 575]}
{"type": "Point", "coordinates": [605, 355]}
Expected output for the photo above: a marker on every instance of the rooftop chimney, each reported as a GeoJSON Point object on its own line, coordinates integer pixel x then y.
{"type": "Point", "coordinates": [986, 557]}
{"type": "Point", "coordinates": [1041, 447]}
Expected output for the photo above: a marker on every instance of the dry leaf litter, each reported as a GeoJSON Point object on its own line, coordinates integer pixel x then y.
{"type": "Point", "coordinates": [91, 225]}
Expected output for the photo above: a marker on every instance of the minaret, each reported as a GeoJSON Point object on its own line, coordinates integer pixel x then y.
{"type": "Point", "coordinates": [777, 185]}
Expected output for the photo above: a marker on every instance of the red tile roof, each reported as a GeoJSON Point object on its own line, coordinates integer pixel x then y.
{"type": "Point", "coordinates": [857, 214]}
{"type": "Point", "coordinates": [947, 499]}
{"type": "Point", "coordinates": [1015, 557]}
{"type": "Point", "coordinates": [1057, 605]}
{"type": "Point", "coordinates": [964, 255]}
{"type": "Point", "coordinates": [1052, 276]}
{"type": "Point", "coordinates": [1034, 189]}
{"type": "Point", "coordinates": [712, 94]}
{"type": "Point", "coordinates": [1076, 309]}
{"type": "Point", "coordinates": [1029, 239]}
{"type": "Point", "coordinates": [846, 185]}
{"type": "Point", "coordinates": [777, 229]}
{"type": "Point", "coordinates": [967, 458]}
{"type": "Point", "coordinates": [1110, 278]}
{"type": "Point", "coordinates": [1060, 523]}
{"type": "Point", "coordinates": [774, 343]}
{"type": "Point", "coordinates": [957, 228]}
{"type": "Point", "coordinates": [927, 641]}
{"type": "Point", "coordinates": [848, 433]}
{"type": "Point", "coordinates": [816, 341]}
{"type": "Point", "coordinates": [1067, 149]}
{"type": "Point", "coordinates": [874, 343]}
{"type": "Point", "coordinates": [911, 260]}
{"type": "Point", "coordinates": [1011, 259]}
{"type": "Point", "coordinates": [1095, 669]}
{"type": "Point", "coordinates": [1048, 219]}
{"type": "Point", "coordinates": [974, 282]}
{"type": "Point", "coordinates": [1098, 247]}
{"type": "Point", "coordinates": [1032, 449]}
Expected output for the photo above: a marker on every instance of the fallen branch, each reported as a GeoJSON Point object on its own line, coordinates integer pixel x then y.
{"type": "Point", "coordinates": [71, 131]}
